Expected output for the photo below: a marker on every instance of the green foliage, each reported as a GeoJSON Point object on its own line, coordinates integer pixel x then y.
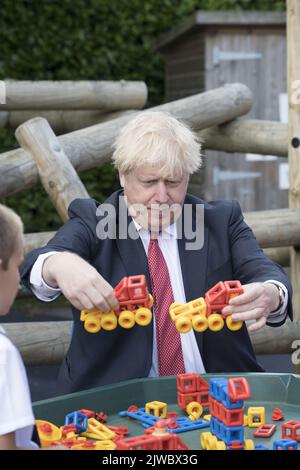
{"type": "Point", "coordinates": [89, 40]}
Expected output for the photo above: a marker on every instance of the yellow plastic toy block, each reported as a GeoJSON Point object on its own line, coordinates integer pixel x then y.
{"type": "Point", "coordinates": [194, 410]}
{"type": "Point", "coordinates": [191, 314]}
{"type": "Point", "coordinates": [99, 445]}
{"type": "Point", "coordinates": [47, 432]}
{"type": "Point", "coordinates": [256, 416]}
{"type": "Point", "coordinates": [157, 408]}
{"type": "Point", "coordinates": [98, 431]}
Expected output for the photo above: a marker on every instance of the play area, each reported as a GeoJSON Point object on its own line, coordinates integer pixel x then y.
{"type": "Point", "coordinates": [157, 415]}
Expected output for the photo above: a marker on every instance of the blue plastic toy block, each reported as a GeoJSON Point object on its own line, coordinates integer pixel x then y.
{"type": "Point", "coordinates": [148, 420]}
{"type": "Point", "coordinates": [260, 447]}
{"type": "Point", "coordinates": [224, 398]}
{"type": "Point", "coordinates": [228, 434]}
{"type": "Point", "coordinates": [140, 415]}
{"type": "Point", "coordinates": [285, 444]}
{"type": "Point", "coordinates": [79, 420]}
{"type": "Point", "coordinates": [214, 387]}
{"type": "Point", "coordinates": [185, 424]}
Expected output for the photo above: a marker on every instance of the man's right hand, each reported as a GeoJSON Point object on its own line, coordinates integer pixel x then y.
{"type": "Point", "coordinates": [79, 282]}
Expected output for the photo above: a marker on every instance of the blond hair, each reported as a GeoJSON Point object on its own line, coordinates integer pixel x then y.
{"type": "Point", "coordinates": [158, 139]}
{"type": "Point", "coordinates": [11, 228]}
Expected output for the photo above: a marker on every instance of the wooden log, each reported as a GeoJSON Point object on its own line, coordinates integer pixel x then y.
{"type": "Point", "coordinates": [92, 146]}
{"type": "Point", "coordinates": [293, 27]}
{"type": "Point", "coordinates": [280, 255]}
{"type": "Point", "coordinates": [270, 340]}
{"type": "Point", "coordinates": [61, 121]}
{"type": "Point", "coordinates": [46, 343]}
{"type": "Point", "coordinates": [57, 174]}
{"type": "Point", "coordinates": [36, 240]}
{"type": "Point", "coordinates": [41, 343]}
{"type": "Point", "coordinates": [104, 95]}
{"type": "Point", "coordinates": [275, 228]}
{"type": "Point", "coordinates": [248, 136]}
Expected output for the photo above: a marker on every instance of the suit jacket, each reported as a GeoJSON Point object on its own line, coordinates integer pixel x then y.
{"type": "Point", "coordinates": [230, 251]}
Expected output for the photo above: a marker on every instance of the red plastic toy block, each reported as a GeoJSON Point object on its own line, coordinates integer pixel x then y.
{"type": "Point", "coordinates": [183, 399]}
{"type": "Point", "coordinates": [132, 292]}
{"type": "Point", "coordinates": [119, 430]}
{"type": "Point", "coordinates": [236, 445]}
{"type": "Point", "coordinates": [231, 417]}
{"type": "Point", "coordinates": [277, 415]}
{"type": "Point", "coordinates": [227, 416]}
{"type": "Point", "coordinates": [101, 417]}
{"type": "Point", "coordinates": [187, 383]}
{"type": "Point", "coordinates": [88, 413]}
{"type": "Point", "coordinates": [265, 430]}
{"type": "Point", "coordinates": [291, 430]}
{"type": "Point", "coordinates": [219, 295]}
{"type": "Point", "coordinates": [238, 389]}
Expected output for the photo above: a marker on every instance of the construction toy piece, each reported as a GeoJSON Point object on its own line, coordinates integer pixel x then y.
{"type": "Point", "coordinates": [216, 299]}
{"type": "Point", "coordinates": [265, 430]}
{"type": "Point", "coordinates": [92, 445]}
{"type": "Point", "coordinates": [101, 417]}
{"type": "Point", "coordinates": [207, 417]}
{"type": "Point", "coordinates": [194, 410]}
{"type": "Point", "coordinates": [238, 389]}
{"type": "Point", "coordinates": [260, 447]}
{"type": "Point", "coordinates": [98, 431]}
{"type": "Point", "coordinates": [135, 307]}
{"type": "Point", "coordinates": [192, 388]}
{"type": "Point", "coordinates": [157, 408]}
{"type": "Point", "coordinates": [159, 439]}
{"type": "Point", "coordinates": [88, 413]}
{"type": "Point", "coordinates": [191, 314]}
{"type": "Point", "coordinates": [184, 424]}
{"type": "Point", "coordinates": [285, 444]}
{"type": "Point", "coordinates": [47, 432]}
{"type": "Point", "coordinates": [77, 419]}
{"type": "Point", "coordinates": [291, 430]}
{"type": "Point", "coordinates": [277, 415]}
{"type": "Point", "coordinates": [139, 414]}
{"type": "Point", "coordinates": [227, 413]}
{"type": "Point", "coordinates": [207, 313]}
{"type": "Point", "coordinates": [176, 425]}
{"type": "Point", "coordinates": [256, 416]}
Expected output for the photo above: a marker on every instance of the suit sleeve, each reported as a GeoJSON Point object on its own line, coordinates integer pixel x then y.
{"type": "Point", "coordinates": [250, 264]}
{"type": "Point", "coordinates": [77, 235]}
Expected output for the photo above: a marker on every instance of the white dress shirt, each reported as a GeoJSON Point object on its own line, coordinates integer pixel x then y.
{"type": "Point", "coordinates": [167, 241]}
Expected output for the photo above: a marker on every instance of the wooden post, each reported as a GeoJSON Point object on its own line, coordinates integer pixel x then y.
{"type": "Point", "coordinates": [293, 28]}
{"type": "Point", "coordinates": [105, 95]}
{"type": "Point", "coordinates": [57, 174]}
{"type": "Point", "coordinates": [92, 146]}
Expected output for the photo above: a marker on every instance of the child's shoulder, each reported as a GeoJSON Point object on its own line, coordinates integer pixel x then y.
{"type": "Point", "coordinates": [7, 348]}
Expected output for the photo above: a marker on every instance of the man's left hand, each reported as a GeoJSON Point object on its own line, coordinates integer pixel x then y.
{"type": "Point", "coordinates": [256, 303]}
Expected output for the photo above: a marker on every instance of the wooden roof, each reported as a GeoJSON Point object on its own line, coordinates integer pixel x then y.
{"type": "Point", "coordinates": [201, 18]}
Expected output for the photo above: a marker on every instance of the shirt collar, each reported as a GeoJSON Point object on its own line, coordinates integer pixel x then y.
{"type": "Point", "coordinates": [169, 232]}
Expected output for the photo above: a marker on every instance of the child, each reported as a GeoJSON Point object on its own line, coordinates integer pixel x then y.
{"type": "Point", "coordinates": [16, 416]}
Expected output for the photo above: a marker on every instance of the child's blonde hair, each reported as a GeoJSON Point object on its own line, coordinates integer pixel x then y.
{"type": "Point", "coordinates": [11, 227]}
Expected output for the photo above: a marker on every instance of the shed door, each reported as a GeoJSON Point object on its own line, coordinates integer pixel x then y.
{"type": "Point", "coordinates": [233, 176]}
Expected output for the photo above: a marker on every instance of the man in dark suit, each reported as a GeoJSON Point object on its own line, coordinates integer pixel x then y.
{"type": "Point", "coordinates": [141, 233]}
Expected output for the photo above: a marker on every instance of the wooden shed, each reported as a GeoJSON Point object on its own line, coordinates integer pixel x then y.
{"type": "Point", "coordinates": [210, 49]}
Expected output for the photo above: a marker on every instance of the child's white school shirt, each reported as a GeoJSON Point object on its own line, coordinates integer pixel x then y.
{"type": "Point", "coordinates": [15, 404]}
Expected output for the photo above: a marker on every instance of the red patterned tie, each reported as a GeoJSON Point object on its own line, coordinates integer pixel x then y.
{"type": "Point", "coordinates": [170, 357]}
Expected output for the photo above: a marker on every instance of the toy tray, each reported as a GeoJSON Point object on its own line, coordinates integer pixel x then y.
{"type": "Point", "coordinates": [268, 390]}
